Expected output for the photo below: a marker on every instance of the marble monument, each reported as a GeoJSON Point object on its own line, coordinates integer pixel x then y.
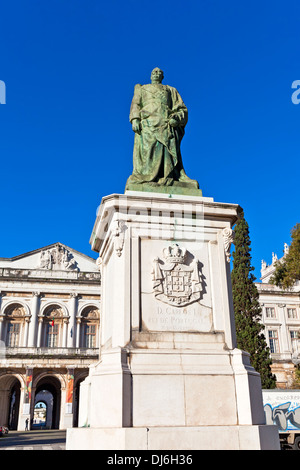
{"type": "Point", "coordinates": [169, 375]}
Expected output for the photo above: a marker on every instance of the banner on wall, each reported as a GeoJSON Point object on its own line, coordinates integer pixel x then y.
{"type": "Point", "coordinates": [27, 391]}
{"type": "Point", "coordinates": [69, 391]}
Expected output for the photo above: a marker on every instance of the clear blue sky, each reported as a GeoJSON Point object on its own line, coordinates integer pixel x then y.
{"type": "Point", "coordinates": [70, 67]}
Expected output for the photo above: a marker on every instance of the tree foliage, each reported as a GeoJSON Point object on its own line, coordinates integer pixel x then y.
{"type": "Point", "coordinates": [287, 270]}
{"type": "Point", "coordinates": [249, 329]}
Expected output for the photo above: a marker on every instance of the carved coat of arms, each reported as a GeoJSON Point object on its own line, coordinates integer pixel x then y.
{"type": "Point", "coordinates": [174, 281]}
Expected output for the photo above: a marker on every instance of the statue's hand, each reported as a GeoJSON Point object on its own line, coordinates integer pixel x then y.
{"type": "Point", "coordinates": [173, 122]}
{"type": "Point", "coordinates": [136, 125]}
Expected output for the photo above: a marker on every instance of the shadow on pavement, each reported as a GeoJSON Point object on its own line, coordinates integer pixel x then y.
{"type": "Point", "coordinates": [28, 438]}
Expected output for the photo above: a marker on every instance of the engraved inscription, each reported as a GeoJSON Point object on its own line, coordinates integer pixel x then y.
{"type": "Point", "coordinates": [180, 319]}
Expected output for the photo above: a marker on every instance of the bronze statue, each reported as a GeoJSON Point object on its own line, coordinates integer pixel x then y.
{"type": "Point", "coordinates": [158, 117]}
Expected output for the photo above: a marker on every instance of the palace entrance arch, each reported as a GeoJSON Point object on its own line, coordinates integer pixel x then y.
{"type": "Point", "coordinates": [48, 390]}
{"type": "Point", "coordinates": [10, 392]}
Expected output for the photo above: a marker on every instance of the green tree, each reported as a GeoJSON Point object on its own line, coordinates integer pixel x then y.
{"type": "Point", "coordinates": [249, 329]}
{"type": "Point", "coordinates": [287, 270]}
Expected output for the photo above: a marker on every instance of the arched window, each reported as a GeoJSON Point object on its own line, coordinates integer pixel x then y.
{"type": "Point", "coordinates": [14, 318]}
{"type": "Point", "coordinates": [90, 325]}
{"type": "Point", "coordinates": [53, 318]}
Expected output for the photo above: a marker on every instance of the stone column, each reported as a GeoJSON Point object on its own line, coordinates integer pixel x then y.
{"type": "Point", "coordinates": [1, 326]}
{"type": "Point", "coordinates": [78, 323]}
{"type": "Point", "coordinates": [27, 396]}
{"type": "Point", "coordinates": [4, 406]}
{"type": "Point", "coordinates": [33, 324]}
{"type": "Point", "coordinates": [1, 317]}
{"type": "Point", "coordinates": [25, 338]}
{"type": "Point", "coordinates": [68, 418]}
{"type": "Point", "coordinates": [40, 329]}
{"type": "Point", "coordinates": [285, 337]}
{"type": "Point", "coordinates": [2, 343]}
{"type": "Point", "coordinates": [65, 331]}
{"type": "Point", "coordinates": [73, 312]}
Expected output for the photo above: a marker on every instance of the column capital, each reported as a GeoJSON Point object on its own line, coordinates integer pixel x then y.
{"type": "Point", "coordinates": [36, 294]}
{"type": "Point", "coordinates": [74, 295]}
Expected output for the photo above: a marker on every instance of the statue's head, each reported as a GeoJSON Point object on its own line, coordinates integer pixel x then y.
{"type": "Point", "coordinates": [157, 75]}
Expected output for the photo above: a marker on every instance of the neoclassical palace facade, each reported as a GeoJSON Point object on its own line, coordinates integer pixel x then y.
{"type": "Point", "coordinates": [49, 327]}
{"type": "Point", "coordinates": [281, 318]}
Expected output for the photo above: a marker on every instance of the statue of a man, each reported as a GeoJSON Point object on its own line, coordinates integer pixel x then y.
{"type": "Point", "coordinates": [158, 117]}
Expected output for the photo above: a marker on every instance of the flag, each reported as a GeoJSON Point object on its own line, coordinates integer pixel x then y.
{"type": "Point", "coordinates": [52, 323]}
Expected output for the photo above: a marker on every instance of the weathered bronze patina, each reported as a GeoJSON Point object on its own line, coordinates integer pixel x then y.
{"type": "Point", "coordinates": [158, 117]}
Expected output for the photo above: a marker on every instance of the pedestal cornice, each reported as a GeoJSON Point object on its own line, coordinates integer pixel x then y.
{"type": "Point", "coordinates": [134, 202]}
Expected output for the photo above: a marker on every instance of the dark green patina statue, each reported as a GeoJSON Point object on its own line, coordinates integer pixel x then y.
{"type": "Point", "coordinates": [158, 117]}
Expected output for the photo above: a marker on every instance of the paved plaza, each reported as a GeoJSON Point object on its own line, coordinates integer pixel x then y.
{"type": "Point", "coordinates": [34, 440]}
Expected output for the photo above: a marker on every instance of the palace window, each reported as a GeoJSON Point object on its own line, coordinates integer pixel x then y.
{"type": "Point", "coordinates": [292, 313]}
{"type": "Point", "coordinates": [294, 340]}
{"type": "Point", "coordinates": [15, 320]}
{"type": "Point", "coordinates": [90, 326]}
{"type": "Point", "coordinates": [52, 335]}
{"type": "Point", "coordinates": [270, 312]}
{"type": "Point", "coordinates": [53, 318]}
{"type": "Point", "coordinates": [90, 336]}
{"type": "Point", "coordinates": [273, 341]}
{"type": "Point", "coordinates": [13, 334]}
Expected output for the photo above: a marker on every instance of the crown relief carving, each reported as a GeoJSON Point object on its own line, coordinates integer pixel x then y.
{"type": "Point", "coordinates": [174, 254]}
{"type": "Point", "coordinates": [174, 281]}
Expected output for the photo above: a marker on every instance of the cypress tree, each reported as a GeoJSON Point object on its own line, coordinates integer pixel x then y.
{"type": "Point", "coordinates": [249, 329]}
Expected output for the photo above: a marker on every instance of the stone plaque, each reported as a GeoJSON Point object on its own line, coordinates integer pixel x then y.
{"type": "Point", "coordinates": [169, 318]}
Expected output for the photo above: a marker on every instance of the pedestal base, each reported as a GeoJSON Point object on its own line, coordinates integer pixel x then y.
{"type": "Point", "coordinates": [169, 374]}
{"type": "Point", "coordinates": [177, 188]}
{"type": "Point", "coordinates": [259, 437]}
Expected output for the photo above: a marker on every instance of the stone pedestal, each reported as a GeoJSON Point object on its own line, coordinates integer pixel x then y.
{"type": "Point", "coordinates": [169, 375]}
